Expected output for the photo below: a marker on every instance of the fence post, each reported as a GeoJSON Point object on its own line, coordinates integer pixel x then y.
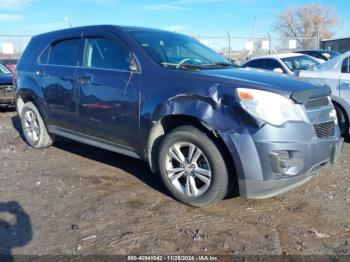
{"type": "Point", "coordinates": [270, 42]}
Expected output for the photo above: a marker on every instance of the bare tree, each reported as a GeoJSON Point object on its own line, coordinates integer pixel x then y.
{"type": "Point", "coordinates": [307, 24]}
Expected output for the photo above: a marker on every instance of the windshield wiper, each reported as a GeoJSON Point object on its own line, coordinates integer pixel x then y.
{"type": "Point", "coordinates": [183, 66]}
{"type": "Point", "coordinates": [201, 66]}
{"type": "Point", "coordinates": [221, 64]}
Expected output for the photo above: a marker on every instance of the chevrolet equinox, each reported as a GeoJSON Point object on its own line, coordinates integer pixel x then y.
{"type": "Point", "coordinates": [205, 126]}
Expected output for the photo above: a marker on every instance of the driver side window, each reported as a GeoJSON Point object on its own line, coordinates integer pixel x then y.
{"type": "Point", "coordinates": [346, 65]}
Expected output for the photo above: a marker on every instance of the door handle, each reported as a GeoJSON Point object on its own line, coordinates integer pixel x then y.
{"type": "Point", "coordinates": [40, 73]}
{"type": "Point", "coordinates": [83, 80]}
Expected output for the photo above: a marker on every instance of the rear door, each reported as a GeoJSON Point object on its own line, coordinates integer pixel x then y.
{"type": "Point", "coordinates": [344, 82]}
{"type": "Point", "coordinates": [58, 64]}
{"type": "Point", "coordinates": [108, 91]}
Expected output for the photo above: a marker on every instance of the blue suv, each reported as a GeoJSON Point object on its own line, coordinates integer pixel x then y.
{"type": "Point", "coordinates": [206, 127]}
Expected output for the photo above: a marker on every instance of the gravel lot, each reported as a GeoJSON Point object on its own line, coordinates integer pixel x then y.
{"type": "Point", "coordinates": [76, 199]}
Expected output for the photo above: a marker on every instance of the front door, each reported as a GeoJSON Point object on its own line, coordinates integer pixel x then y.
{"type": "Point", "coordinates": [344, 82]}
{"type": "Point", "coordinates": [108, 92]}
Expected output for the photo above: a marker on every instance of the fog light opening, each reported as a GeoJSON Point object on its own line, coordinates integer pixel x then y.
{"type": "Point", "coordinates": [286, 162]}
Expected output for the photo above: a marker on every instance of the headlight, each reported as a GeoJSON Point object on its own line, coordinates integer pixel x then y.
{"type": "Point", "coordinates": [328, 56]}
{"type": "Point", "coordinates": [267, 106]}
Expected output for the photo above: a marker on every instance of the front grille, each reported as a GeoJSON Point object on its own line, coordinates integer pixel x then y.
{"type": "Point", "coordinates": [6, 90]}
{"type": "Point", "coordinates": [317, 103]}
{"type": "Point", "coordinates": [324, 130]}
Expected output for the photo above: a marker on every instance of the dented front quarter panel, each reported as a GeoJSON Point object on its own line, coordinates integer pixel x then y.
{"type": "Point", "coordinates": [211, 102]}
{"type": "Point", "coordinates": [208, 99]}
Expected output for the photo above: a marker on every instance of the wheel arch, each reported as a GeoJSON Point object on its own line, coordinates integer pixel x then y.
{"type": "Point", "coordinates": [24, 96]}
{"type": "Point", "coordinates": [171, 122]}
{"type": "Point", "coordinates": [342, 105]}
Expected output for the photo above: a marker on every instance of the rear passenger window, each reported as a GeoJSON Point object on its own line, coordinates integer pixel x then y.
{"type": "Point", "coordinates": [346, 64]}
{"type": "Point", "coordinates": [258, 63]}
{"type": "Point", "coordinates": [106, 54]}
{"type": "Point", "coordinates": [64, 53]}
{"type": "Point", "coordinates": [272, 64]}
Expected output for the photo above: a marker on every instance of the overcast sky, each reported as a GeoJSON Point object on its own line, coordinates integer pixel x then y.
{"type": "Point", "coordinates": [203, 17]}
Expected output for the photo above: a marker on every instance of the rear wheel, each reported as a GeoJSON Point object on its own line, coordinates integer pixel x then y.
{"type": "Point", "coordinates": [34, 128]}
{"type": "Point", "coordinates": [192, 167]}
{"type": "Point", "coordinates": [342, 121]}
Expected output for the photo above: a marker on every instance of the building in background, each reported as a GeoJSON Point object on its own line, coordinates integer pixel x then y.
{"type": "Point", "coordinates": [337, 44]}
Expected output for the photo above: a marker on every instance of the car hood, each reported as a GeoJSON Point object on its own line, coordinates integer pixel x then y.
{"type": "Point", "coordinates": [6, 79]}
{"type": "Point", "coordinates": [328, 70]}
{"type": "Point", "coordinates": [289, 86]}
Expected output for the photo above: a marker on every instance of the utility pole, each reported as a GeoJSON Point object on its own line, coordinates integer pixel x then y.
{"type": "Point", "coordinates": [254, 28]}
{"type": "Point", "coordinates": [229, 45]}
{"type": "Point", "coordinates": [318, 37]}
{"type": "Point", "coordinates": [67, 19]}
{"type": "Point", "coordinates": [270, 42]}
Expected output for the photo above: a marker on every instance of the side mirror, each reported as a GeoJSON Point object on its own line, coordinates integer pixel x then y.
{"type": "Point", "coordinates": [278, 70]}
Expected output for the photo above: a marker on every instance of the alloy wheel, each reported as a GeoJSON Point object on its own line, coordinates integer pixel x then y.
{"type": "Point", "coordinates": [31, 126]}
{"type": "Point", "coordinates": [188, 169]}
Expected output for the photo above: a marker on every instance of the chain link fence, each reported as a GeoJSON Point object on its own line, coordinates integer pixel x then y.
{"type": "Point", "coordinates": [12, 46]}
{"type": "Point", "coordinates": [236, 48]}
{"type": "Point", "coordinates": [239, 49]}
{"type": "Point", "coordinates": [11, 49]}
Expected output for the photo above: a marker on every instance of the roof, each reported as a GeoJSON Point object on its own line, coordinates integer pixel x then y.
{"type": "Point", "coordinates": [317, 50]}
{"type": "Point", "coordinates": [334, 63]}
{"type": "Point", "coordinates": [101, 27]}
{"type": "Point", "coordinates": [335, 39]}
{"type": "Point", "coordinates": [281, 55]}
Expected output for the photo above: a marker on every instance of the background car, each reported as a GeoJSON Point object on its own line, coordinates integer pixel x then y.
{"type": "Point", "coordinates": [287, 63]}
{"type": "Point", "coordinates": [336, 74]}
{"type": "Point", "coordinates": [324, 55]}
{"type": "Point", "coordinates": [6, 86]}
{"type": "Point", "coordinates": [10, 64]}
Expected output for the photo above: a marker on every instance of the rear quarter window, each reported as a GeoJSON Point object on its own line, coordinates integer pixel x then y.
{"type": "Point", "coordinates": [44, 57]}
{"type": "Point", "coordinates": [33, 50]}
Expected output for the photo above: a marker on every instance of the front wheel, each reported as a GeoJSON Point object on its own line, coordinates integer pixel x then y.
{"type": "Point", "coordinates": [192, 167]}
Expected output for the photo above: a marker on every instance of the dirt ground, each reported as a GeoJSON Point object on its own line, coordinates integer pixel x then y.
{"type": "Point", "coordinates": [76, 199]}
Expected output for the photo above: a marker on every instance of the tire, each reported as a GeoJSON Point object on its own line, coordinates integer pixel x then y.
{"type": "Point", "coordinates": [207, 172]}
{"type": "Point", "coordinates": [342, 121]}
{"type": "Point", "coordinates": [34, 128]}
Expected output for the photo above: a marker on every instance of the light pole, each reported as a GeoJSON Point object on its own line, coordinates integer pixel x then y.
{"type": "Point", "coordinates": [229, 45]}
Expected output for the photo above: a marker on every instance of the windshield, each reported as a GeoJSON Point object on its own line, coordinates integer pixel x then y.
{"type": "Point", "coordinates": [178, 51]}
{"type": "Point", "coordinates": [4, 69]}
{"type": "Point", "coordinates": [303, 62]}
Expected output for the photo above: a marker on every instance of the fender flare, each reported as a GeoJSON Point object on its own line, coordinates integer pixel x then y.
{"type": "Point", "coordinates": [199, 108]}
{"type": "Point", "coordinates": [29, 88]}
{"type": "Point", "coordinates": [343, 104]}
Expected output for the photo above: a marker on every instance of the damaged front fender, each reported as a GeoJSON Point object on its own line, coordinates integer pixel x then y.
{"type": "Point", "coordinates": [211, 109]}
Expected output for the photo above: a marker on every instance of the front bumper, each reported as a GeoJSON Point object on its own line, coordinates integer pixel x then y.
{"type": "Point", "coordinates": [6, 94]}
{"type": "Point", "coordinates": [274, 160]}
